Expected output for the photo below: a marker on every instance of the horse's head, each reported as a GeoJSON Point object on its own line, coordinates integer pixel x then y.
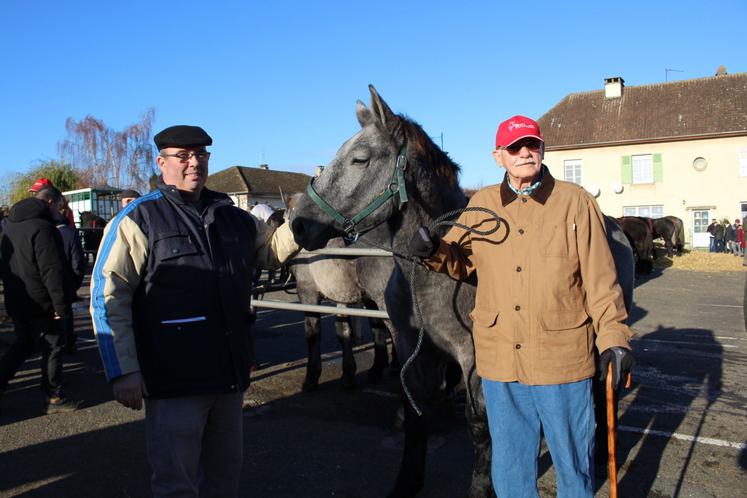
{"type": "Point", "coordinates": [371, 178]}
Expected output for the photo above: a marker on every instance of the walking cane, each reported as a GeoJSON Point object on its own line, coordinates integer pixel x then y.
{"type": "Point", "coordinates": [611, 419]}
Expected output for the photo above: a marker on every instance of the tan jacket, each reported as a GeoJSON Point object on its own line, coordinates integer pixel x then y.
{"type": "Point", "coordinates": [547, 286]}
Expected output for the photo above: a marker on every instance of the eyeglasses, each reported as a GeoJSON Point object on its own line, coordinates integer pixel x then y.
{"type": "Point", "coordinates": [185, 155]}
{"type": "Point", "coordinates": [530, 143]}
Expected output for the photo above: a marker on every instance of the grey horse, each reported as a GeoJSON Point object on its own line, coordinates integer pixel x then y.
{"type": "Point", "coordinates": [392, 156]}
{"type": "Point", "coordinates": [346, 281]}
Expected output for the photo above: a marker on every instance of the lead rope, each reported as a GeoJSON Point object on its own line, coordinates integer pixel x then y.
{"type": "Point", "coordinates": [443, 220]}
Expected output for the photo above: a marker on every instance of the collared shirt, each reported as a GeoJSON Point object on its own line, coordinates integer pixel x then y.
{"type": "Point", "coordinates": [530, 189]}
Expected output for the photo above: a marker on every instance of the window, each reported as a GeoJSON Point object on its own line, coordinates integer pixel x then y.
{"type": "Point", "coordinates": [573, 168]}
{"type": "Point", "coordinates": [743, 161]}
{"type": "Point", "coordinates": [643, 169]}
{"type": "Point", "coordinates": [700, 221]}
{"type": "Point", "coordinates": [656, 211]}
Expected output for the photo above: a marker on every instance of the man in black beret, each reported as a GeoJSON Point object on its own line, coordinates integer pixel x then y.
{"type": "Point", "coordinates": [170, 298]}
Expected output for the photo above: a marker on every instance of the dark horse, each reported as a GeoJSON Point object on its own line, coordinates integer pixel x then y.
{"type": "Point", "coordinates": [640, 234]}
{"type": "Point", "coordinates": [373, 161]}
{"type": "Point", "coordinates": [679, 234]}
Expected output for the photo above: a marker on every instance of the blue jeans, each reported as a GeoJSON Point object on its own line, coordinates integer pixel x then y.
{"type": "Point", "coordinates": [564, 412]}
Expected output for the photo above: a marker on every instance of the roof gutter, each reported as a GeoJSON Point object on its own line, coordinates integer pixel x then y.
{"type": "Point", "coordinates": [677, 138]}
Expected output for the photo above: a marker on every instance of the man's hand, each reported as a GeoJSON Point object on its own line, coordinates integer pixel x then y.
{"type": "Point", "coordinates": [622, 363]}
{"type": "Point", "coordinates": [128, 390]}
{"type": "Point", "coordinates": [423, 244]}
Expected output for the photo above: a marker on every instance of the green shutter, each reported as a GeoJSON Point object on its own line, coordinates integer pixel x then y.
{"type": "Point", "coordinates": [627, 170]}
{"type": "Point", "coordinates": [658, 170]}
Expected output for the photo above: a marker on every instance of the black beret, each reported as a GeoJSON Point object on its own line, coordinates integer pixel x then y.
{"type": "Point", "coordinates": [182, 136]}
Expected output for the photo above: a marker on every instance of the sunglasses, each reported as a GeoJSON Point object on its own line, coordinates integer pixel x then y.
{"type": "Point", "coordinates": [532, 144]}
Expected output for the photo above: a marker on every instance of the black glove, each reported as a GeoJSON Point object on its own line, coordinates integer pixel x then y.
{"type": "Point", "coordinates": [423, 244]}
{"type": "Point", "coordinates": [622, 363]}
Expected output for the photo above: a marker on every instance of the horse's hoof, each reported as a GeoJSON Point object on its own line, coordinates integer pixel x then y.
{"type": "Point", "coordinates": [374, 375]}
{"type": "Point", "coordinates": [309, 385]}
{"type": "Point", "coordinates": [348, 382]}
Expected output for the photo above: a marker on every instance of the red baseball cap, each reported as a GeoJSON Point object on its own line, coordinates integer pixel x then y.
{"type": "Point", "coordinates": [516, 128]}
{"type": "Point", "coordinates": [40, 184]}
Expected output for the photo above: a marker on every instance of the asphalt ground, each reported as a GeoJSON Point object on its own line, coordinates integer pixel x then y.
{"type": "Point", "coordinates": [683, 426]}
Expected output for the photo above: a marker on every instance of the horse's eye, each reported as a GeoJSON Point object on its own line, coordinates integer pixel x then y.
{"type": "Point", "coordinates": [360, 160]}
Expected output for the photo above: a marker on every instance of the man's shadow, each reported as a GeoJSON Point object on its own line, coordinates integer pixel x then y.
{"type": "Point", "coordinates": [673, 368]}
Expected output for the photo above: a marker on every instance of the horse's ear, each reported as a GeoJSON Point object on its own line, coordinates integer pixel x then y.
{"type": "Point", "coordinates": [380, 108]}
{"type": "Point", "coordinates": [363, 114]}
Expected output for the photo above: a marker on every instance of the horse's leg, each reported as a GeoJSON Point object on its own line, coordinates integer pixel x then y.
{"type": "Point", "coordinates": [312, 329]}
{"type": "Point", "coordinates": [477, 422]}
{"type": "Point", "coordinates": [481, 485]}
{"type": "Point", "coordinates": [412, 469]}
{"type": "Point", "coordinates": [345, 336]}
{"type": "Point", "coordinates": [423, 386]}
{"type": "Point", "coordinates": [381, 354]}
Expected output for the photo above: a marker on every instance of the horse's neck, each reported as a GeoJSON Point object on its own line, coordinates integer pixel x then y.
{"type": "Point", "coordinates": [432, 200]}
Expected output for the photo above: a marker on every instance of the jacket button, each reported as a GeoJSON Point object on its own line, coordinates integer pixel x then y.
{"type": "Point", "coordinates": [517, 307]}
{"type": "Point", "coordinates": [523, 199]}
{"type": "Point", "coordinates": [518, 268]}
{"type": "Point", "coordinates": [521, 231]}
{"type": "Point", "coordinates": [518, 346]}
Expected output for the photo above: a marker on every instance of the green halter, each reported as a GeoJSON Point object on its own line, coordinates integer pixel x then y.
{"type": "Point", "coordinates": [396, 187]}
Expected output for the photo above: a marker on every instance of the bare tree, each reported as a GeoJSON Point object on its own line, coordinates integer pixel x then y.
{"type": "Point", "coordinates": [104, 156]}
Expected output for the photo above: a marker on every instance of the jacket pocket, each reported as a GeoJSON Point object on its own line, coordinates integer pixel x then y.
{"type": "Point", "coordinates": [171, 245]}
{"type": "Point", "coordinates": [486, 337]}
{"type": "Point", "coordinates": [555, 239]}
{"type": "Point", "coordinates": [567, 338]}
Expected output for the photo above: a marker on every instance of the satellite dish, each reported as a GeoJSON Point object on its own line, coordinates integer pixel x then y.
{"type": "Point", "coordinates": [593, 190]}
{"type": "Point", "coordinates": [617, 188]}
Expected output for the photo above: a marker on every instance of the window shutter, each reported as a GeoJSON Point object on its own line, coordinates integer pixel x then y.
{"type": "Point", "coordinates": [658, 169]}
{"type": "Point", "coordinates": [627, 170]}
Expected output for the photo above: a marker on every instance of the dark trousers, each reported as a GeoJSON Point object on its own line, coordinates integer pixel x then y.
{"type": "Point", "coordinates": [45, 333]}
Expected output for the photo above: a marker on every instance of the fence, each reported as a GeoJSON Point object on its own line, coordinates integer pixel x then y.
{"type": "Point", "coordinates": [335, 310]}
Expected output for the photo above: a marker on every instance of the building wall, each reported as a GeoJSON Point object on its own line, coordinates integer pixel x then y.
{"type": "Point", "coordinates": [720, 190]}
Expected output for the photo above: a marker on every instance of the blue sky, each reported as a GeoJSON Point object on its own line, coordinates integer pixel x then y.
{"type": "Point", "coordinates": [277, 82]}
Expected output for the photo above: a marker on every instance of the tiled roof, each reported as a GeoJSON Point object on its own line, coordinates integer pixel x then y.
{"type": "Point", "coordinates": [257, 181]}
{"type": "Point", "coordinates": [676, 110]}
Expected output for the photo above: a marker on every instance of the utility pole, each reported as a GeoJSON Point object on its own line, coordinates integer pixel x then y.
{"type": "Point", "coordinates": [441, 138]}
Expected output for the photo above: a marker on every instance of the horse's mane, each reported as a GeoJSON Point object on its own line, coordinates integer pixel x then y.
{"type": "Point", "coordinates": [430, 153]}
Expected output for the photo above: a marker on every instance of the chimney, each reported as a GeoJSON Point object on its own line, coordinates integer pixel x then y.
{"type": "Point", "coordinates": [264, 166]}
{"type": "Point", "coordinates": [613, 87]}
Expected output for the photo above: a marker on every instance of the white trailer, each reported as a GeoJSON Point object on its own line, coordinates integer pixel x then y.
{"type": "Point", "coordinates": [104, 201]}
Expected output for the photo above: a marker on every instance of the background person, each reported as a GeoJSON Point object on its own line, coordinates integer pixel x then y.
{"type": "Point", "coordinates": [74, 257]}
{"type": "Point", "coordinates": [32, 266]}
{"type": "Point", "coordinates": [127, 196]}
{"type": "Point", "coordinates": [170, 297]}
{"type": "Point", "coordinates": [547, 292]}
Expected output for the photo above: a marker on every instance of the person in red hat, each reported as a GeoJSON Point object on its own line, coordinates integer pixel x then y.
{"type": "Point", "coordinates": [547, 293]}
{"type": "Point", "coordinates": [43, 183]}
{"type": "Point", "coordinates": [40, 184]}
